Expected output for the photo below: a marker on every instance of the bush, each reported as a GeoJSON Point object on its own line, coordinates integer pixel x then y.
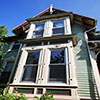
{"type": "Point", "coordinates": [8, 96]}
{"type": "Point", "coordinates": [47, 96]}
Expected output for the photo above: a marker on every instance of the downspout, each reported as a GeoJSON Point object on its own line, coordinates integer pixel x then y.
{"type": "Point", "coordinates": [93, 61]}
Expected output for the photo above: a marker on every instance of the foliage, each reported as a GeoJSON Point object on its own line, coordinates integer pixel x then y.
{"type": "Point", "coordinates": [47, 96]}
{"type": "Point", "coordinates": [20, 96]}
{"type": "Point", "coordinates": [8, 96]}
{"type": "Point", "coordinates": [3, 33]}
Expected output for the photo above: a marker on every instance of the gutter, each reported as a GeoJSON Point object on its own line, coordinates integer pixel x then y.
{"type": "Point", "coordinates": [93, 61]}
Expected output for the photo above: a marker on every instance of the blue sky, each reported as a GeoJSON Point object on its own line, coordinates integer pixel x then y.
{"type": "Point", "coordinates": [15, 12]}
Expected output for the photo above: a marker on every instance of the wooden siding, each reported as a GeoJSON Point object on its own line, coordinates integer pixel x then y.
{"type": "Point", "coordinates": [85, 77]}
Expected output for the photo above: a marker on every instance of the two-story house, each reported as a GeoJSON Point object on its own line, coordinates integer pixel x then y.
{"type": "Point", "coordinates": [52, 53]}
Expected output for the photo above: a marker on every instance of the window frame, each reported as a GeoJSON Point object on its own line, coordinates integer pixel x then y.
{"type": "Point", "coordinates": [28, 65]}
{"type": "Point", "coordinates": [6, 60]}
{"type": "Point", "coordinates": [66, 66]}
{"type": "Point", "coordinates": [38, 36]}
{"type": "Point", "coordinates": [48, 26]}
{"type": "Point", "coordinates": [58, 27]}
{"type": "Point", "coordinates": [41, 69]}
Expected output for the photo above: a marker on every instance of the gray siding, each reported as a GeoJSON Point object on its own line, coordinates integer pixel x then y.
{"type": "Point", "coordinates": [85, 77]}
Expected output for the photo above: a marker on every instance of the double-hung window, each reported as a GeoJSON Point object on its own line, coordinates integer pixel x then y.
{"type": "Point", "coordinates": [31, 67]}
{"type": "Point", "coordinates": [6, 72]}
{"type": "Point", "coordinates": [39, 30]}
{"type": "Point", "coordinates": [57, 67]}
{"type": "Point", "coordinates": [58, 28]}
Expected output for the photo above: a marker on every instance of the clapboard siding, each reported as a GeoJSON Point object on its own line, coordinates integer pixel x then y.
{"type": "Point", "coordinates": [86, 82]}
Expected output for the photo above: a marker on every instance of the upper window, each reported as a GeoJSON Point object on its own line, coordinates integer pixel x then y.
{"type": "Point", "coordinates": [16, 46]}
{"type": "Point", "coordinates": [58, 28]}
{"type": "Point", "coordinates": [57, 67]}
{"type": "Point", "coordinates": [31, 66]}
{"type": "Point", "coordinates": [6, 72]}
{"type": "Point", "coordinates": [39, 30]}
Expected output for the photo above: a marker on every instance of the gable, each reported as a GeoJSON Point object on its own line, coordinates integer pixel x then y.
{"type": "Point", "coordinates": [87, 21]}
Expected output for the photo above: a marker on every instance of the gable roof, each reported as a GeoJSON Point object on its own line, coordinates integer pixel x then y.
{"type": "Point", "coordinates": [86, 21]}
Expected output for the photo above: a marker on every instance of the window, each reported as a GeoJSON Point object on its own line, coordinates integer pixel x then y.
{"type": "Point", "coordinates": [31, 66]}
{"type": "Point", "coordinates": [57, 67]}
{"type": "Point", "coordinates": [16, 46]}
{"type": "Point", "coordinates": [6, 72]}
{"type": "Point", "coordinates": [39, 30]}
{"type": "Point", "coordinates": [58, 28]}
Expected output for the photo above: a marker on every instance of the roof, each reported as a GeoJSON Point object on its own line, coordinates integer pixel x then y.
{"type": "Point", "coordinates": [87, 22]}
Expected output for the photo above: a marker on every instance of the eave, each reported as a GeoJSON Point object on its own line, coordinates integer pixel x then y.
{"type": "Point", "coordinates": [51, 17]}
{"type": "Point", "coordinates": [53, 38]}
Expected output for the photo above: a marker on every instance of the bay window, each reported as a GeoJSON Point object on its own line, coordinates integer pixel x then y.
{"type": "Point", "coordinates": [46, 64]}
{"type": "Point", "coordinates": [49, 28]}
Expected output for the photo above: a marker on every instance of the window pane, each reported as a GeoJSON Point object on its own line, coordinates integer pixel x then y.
{"type": "Point", "coordinates": [58, 31]}
{"type": "Point", "coordinates": [30, 73]}
{"type": "Point", "coordinates": [33, 57]}
{"type": "Point", "coordinates": [58, 24]}
{"type": "Point", "coordinates": [6, 73]}
{"type": "Point", "coordinates": [38, 33]}
{"type": "Point", "coordinates": [16, 46]}
{"type": "Point", "coordinates": [8, 66]}
{"type": "Point", "coordinates": [57, 67]}
{"type": "Point", "coordinates": [58, 27]}
{"type": "Point", "coordinates": [57, 56]}
{"type": "Point", "coordinates": [39, 29]}
{"type": "Point", "coordinates": [30, 69]}
{"type": "Point", "coordinates": [57, 73]}
{"type": "Point", "coordinates": [4, 77]}
{"type": "Point", "coordinates": [59, 42]}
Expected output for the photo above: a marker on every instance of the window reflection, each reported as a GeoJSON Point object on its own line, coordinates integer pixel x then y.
{"type": "Point", "coordinates": [33, 57]}
{"type": "Point", "coordinates": [4, 77]}
{"type": "Point", "coordinates": [30, 69]}
{"type": "Point", "coordinates": [57, 56]}
{"type": "Point", "coordinates": [58, 24]}
{"type": "Point", "coordinates": [58, 28]}
{"type": "Point", "coordinates": [57, 67]}
{"type": "Point", "coordinates": [39, 29]}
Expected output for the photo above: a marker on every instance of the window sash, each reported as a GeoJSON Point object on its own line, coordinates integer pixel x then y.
{"type": "Point", "coordinates": [57, 73]}
{"type": "Point", "coordinates": [58, 29]}
{"type": "Point", "coordinates": [30, 72]}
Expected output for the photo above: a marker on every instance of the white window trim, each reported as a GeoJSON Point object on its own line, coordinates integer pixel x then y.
{"type": "Point", "coordinates": [11, 46]}
{"type": "Point", "coordinates": [71, 82]}
{"type": "Point", "coordinates": [49, 26]}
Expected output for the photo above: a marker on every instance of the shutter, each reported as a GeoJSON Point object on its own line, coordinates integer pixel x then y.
{"type": "Point", "coordinates": [67, 26]}
{"type": "Point", "coordinates": [48, 29]}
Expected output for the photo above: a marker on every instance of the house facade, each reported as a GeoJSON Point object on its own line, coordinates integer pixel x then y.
{"type": "Point", "coordinates": [56, 51]}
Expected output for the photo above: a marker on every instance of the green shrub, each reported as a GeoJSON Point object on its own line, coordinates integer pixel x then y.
{"type": "Point", "coordinates": [8, 96]}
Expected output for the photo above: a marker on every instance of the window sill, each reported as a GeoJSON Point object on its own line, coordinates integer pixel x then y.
{"type": "Point", "coordinates": [53, 38]}
{"type": "Point", "coordinates": [43, 85]}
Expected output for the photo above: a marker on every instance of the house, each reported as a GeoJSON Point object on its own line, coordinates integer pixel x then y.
{"type": "Point", "coordinates": [56, 51]}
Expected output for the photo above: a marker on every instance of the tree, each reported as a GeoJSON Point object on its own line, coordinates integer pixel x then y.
{"type": "Point", "coordinates": [3, 34]}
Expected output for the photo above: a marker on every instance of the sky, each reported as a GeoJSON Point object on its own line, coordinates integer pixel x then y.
{"type": "Point", "coordinates": [15, 12]}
